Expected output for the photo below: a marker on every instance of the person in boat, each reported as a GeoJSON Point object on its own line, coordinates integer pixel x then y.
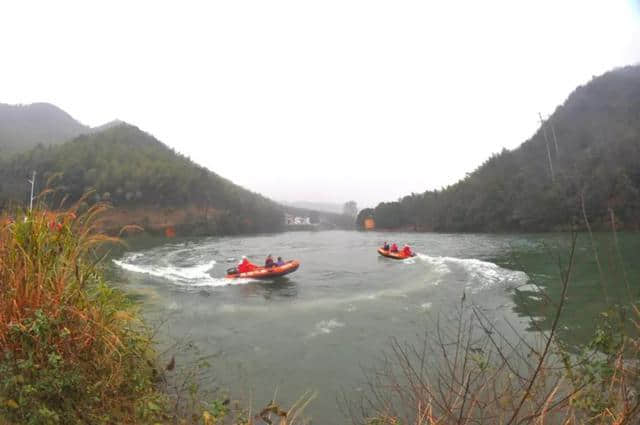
{"type": "Point", "coordinates": [280, 262]}
{"type": "Point", "coordinates": [385, 246]}
{"type": "Point", "coordinates": [269, 262]}
{"type": "Point", "coordinates": [394, 247]}
{"type": "Point", "coordinates": [246, 265]}
{"type": "Point", "coordinates": [406, 250]}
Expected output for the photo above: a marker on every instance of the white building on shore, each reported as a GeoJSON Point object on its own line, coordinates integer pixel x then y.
{"type": "Point", "coordinates": [291, 220]}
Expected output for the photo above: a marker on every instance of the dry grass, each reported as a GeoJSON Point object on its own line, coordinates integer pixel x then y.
{"type": "Point", "coordinates": [73, 350]}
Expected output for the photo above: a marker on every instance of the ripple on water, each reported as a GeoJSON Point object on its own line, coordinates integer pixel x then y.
{"type": "Point", "coordinates": [325, 327]}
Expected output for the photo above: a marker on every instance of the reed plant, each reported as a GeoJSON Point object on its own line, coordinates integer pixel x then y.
{"type": "Point", "coordinates": [73, 350]}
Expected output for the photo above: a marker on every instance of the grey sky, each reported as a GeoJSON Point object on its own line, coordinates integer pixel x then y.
{"type": "Point", "coordinates": [321, 101]}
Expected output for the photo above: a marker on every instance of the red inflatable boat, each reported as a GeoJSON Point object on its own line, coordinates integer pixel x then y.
{"type": "Point", "coordinates": [395, 255]}
{"type": "Point", "coordinates": [266, 273]}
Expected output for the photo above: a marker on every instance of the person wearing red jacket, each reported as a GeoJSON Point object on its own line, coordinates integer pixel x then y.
{"type": "Point", "coordinates": [406, 250]}
{"type": "Point", "coordinates": [394, 247]}
{"type": "Point", "coordinates": [269, 262]}
{"type": "Point", "coordinates": [246, 266]}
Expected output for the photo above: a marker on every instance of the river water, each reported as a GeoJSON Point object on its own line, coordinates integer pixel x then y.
{"type": "Point", "coordinates": [316, 329]}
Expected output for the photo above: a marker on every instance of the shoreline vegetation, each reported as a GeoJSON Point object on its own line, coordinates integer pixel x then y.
{"type": "Point", "coordinates": [74, 350]}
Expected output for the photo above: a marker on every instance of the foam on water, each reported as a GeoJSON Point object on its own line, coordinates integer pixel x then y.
{"type": "Point", "coordinates": [426, 306]}
{"type": "Point", "coordinates": [325, 327]}
{"type": "Point", "coordinates": [529, 287]}
{"type": "Point", "coordinates": [481, 274]}
{"type": "Point", "coordinates": [196, 275]}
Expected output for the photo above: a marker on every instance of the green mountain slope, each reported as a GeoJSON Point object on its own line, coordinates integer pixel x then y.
{"type": "Point", "coordinates": [595, 157]}
{"type": "Point", "coordinates": [22, 127]}
{"type": "Point", "coordinates": [147, 183]}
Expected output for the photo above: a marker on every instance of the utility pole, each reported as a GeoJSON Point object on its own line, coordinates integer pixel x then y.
{"type": "Point", "coordinates": [544, 131]}
{"type": "Point", "coordinates": [555, 141]}
{"type": "Point", "coordinates": [33, 182]}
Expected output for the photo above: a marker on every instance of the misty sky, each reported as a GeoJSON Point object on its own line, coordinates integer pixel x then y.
{"type": "Point", "coordinates": [321, 101]}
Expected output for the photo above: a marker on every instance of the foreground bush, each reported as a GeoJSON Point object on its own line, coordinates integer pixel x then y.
{"type": "Point", "coordinates": [72, 349]}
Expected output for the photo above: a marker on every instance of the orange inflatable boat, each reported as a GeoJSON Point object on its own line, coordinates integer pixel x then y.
{"type": "Point", "coordinates": [395, 255]}
{"type": "Point", "coordinates": [266, 272]}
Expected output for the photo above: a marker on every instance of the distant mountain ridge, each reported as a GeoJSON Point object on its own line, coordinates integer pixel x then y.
{"type": "Point", "coordinates": [586, 156]}
{"type": "Point", "coordinates": [106, 126]}
{"type": "Point", "coordinates": [23, 127]}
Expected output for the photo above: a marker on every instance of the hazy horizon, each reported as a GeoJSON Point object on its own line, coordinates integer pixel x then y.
{"type": "Point", "coordinates": [318, 102]}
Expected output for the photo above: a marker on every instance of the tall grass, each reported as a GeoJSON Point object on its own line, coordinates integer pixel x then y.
{"type": "Point", "coordinates": [73, 350]}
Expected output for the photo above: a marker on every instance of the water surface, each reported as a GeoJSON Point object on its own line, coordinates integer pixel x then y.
{"type": "Point", "coordinates": [316, 328]}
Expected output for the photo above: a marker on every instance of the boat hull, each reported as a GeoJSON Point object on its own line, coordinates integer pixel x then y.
{"type": "Point", "coordinates": [394, 255]}
{"type": "Point", "coordinates": [268, 272]}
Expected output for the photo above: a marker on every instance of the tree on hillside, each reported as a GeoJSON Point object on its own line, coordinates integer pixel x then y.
{"type": "Point", "coordinates": [362, 216]}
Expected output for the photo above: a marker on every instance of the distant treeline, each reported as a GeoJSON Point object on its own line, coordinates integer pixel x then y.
{"type": "Point", "coordinates": [589, 149]}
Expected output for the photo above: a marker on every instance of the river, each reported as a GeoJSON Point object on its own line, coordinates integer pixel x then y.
{"type": "Point", "coordinates": [316, 329]}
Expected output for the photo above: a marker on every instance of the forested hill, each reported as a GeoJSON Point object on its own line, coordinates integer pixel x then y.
{"type": "Point", "coordinates": [22, 127]}
{"type": "Point", "coordinates": [147, 183]}
{"type": "Point", "coordinates": [591, 152]}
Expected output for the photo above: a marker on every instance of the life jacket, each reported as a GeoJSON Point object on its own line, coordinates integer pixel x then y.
{"type": "Point", "coordinates": [394, 248]}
